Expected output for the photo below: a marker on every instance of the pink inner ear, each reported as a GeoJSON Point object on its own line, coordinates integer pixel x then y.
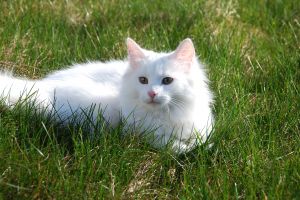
{"type": "Point", "coordinates": [185, 51]}
{"type": "Point", "coordinates": [135, 53]}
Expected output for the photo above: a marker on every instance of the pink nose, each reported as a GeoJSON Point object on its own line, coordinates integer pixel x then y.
{"type": "Point", "coordinates": [152, 94]}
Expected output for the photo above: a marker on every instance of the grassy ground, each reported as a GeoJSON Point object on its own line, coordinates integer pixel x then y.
{"type": "Point", "coordinates": [252, 53]}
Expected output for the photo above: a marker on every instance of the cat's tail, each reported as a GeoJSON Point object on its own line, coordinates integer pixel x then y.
{"type": "Point", "coordinates": [15, 89]}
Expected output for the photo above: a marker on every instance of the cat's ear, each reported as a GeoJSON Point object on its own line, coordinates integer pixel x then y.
{"type": "Point", "coordinates": [135, 53]}
{"type": "Point", "coordinates": [185, 52]}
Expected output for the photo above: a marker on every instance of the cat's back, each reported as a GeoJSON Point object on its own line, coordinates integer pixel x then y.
{"type": "Point", "coordinates": [98, 72]}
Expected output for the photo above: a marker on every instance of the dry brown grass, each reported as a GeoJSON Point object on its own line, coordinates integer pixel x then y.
{"type": "Point", "coordinates": [145, 183]}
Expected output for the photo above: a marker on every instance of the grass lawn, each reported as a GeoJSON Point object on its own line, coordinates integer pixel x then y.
{"type": "Point", "coordinates": [252, 53]}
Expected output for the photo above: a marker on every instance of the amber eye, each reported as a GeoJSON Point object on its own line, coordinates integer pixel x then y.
{"type": "Point", "coordinates": [143, 80]}
{"type": "Point", "coordinates": [167, 80]}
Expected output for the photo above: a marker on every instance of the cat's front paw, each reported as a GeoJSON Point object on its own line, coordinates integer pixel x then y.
{"type": "Point", "coordinates": [180, 146]}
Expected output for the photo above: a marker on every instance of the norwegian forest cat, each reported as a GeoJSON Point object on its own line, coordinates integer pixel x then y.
{"type": "Point", "coordinates": [164, 93]}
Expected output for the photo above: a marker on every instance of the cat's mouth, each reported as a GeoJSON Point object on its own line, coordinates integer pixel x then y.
{"type": "Point", "coordinates": [153, 103]}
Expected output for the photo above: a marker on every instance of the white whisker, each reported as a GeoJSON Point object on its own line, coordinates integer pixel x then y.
{"type": "Point", "coordinates": [177, 103]}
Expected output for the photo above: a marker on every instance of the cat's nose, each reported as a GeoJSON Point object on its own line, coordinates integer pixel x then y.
{"type": "Point", "coordinates": [152, 94]}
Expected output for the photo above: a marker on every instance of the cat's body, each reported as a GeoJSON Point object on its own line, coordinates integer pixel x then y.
{"type": "Point", "coordinates": [163, 92]}
{"type": "Point", "coordinates": [72, 90]}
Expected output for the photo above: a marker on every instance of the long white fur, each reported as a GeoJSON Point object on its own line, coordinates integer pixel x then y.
{"type": "Point", "coordinates": [182, 113]}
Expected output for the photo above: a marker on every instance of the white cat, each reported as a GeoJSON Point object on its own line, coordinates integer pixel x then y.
{"type": "Point", "coordinates": [164, 93]}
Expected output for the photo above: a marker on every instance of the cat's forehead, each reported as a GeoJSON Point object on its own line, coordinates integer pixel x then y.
{"type": "Point", "coordinates": [158, 66]}
{"type": "Point", "coordinates": [155, 60]}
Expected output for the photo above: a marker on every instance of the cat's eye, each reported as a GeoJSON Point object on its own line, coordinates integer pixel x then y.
{"type": "Point", "coordinates": [143, 80]}
{"type": "Point", "coordinates": [167, 80]}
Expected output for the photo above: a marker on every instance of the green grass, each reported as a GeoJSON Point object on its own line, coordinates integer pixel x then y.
{"type": "Point", "coordinates": [252, 52]}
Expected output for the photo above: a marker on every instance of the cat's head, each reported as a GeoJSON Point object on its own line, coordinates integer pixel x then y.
{"type": "Point", "coordinates": [157, 80]}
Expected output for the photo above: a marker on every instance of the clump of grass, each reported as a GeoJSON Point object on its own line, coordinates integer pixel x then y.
{"type": "Point", "coordinates": [252, 55]}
